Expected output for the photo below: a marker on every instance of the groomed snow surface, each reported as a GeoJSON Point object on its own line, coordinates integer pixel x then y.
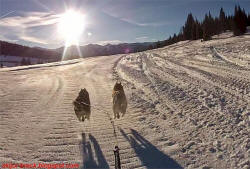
{"type": "Point", "coordinates": [188, 107]}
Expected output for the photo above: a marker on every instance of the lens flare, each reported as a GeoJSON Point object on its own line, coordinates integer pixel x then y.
{"type": "Point", "coordinates": [71, 26]}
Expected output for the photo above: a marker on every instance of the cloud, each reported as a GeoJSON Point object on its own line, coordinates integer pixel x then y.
{"type": "Point", "coordinates": [142, 38]}
{"type": "Point", "coordinates": [30, 19]}
{"type": "Point", "coordinates": [133, 18]}
{"type": "Point", "coordinates": [154, 24]}
{"type": "Point", "coordinates": [29, 26]}
{"type": "Point", "coordinates": [7, 14]}
{"type": "Point", "coordinates": [112, 42]}
{"type": "Point", "coordinates": [34, 39]}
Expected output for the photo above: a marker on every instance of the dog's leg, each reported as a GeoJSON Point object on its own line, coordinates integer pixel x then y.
{"type": "Point", "coordinates": [82, 116]}
{"type": "Point", "coordinates": [78, 115]}
{"type": "Point", "coordinates": [123, 110]}
{"type": "Point", "coordinates": [88, 115]}
{"type": "Point", "coordinates": [123, 113]}
{"type": "Point", "coordinates": [114, 111]}
{"type": "Point", "coordinates": [124, 105]}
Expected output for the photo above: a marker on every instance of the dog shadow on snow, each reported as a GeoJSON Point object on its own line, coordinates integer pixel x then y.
{"type": "Point", "coordinates": [89, 149]}
{"type": "Point", "coordinates": [148, 154]}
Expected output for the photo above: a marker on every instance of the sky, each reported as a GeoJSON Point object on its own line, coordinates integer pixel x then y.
{"type": "Point", "coordinates": [34, 22]}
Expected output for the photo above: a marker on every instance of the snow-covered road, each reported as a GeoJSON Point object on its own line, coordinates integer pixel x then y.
{"type": "Point", "coordinates": [186, 108]}
{"type": "Point", "coordinates": [38, 124]}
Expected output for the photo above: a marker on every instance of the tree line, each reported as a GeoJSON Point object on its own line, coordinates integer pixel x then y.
{"type": "Point", "coordinates": [25, 61]}
{"type": "Point", "coordinates": [209, 26]}
{"type": "Point", "coordinates": [28, 62]}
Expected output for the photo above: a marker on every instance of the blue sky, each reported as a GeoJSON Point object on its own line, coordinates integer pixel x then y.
{"type": "Point", "coordinates": [34, 22]}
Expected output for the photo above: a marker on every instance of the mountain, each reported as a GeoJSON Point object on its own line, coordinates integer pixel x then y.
{"type": "Point", "coordinates": [91, 50]}
{"type": "Point", "coordinates": [12, 49]}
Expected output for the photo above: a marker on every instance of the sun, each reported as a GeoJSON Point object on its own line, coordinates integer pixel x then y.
{"type": "Point", "coordinates": [71, 26]}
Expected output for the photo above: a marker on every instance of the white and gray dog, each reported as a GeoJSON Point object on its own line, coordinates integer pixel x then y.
{"type": "Point", "coordinates": [119, 100]}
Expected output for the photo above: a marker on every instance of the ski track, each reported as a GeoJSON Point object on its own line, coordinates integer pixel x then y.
{"type": "Point", "coordinates": [196, 97]}
{"type": "Point", "coordinates": [38, 123]}
{"type": "Point", "coordinates": [188, 106]}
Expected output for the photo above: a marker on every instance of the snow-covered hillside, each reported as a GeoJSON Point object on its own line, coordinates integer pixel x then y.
{"type": "Point", "coordinates": [188, 107]}
{"type": "Point", "coordinates": [195, 97]}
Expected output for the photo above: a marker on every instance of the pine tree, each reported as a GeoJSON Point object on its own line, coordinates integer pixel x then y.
{"type": "Point", "coordinates": [193, 33]}
{"type": "Point", "coordinates": [158, 44]}
{"type": "Point", "coordinates": [217, 30]}
{"type": "Point", "coordinates": [222, 20]}
{"type": "Point", "coordinates": [198, 30]}
{"type": "Point", "coordinates": [209, 26]}
{"type": "Point", "coordinates": [230, 23]}
{"type": "Point", "coordinates": [175, 38]}
{"type": "Point", "coordinates": [206, 28]}
{"type": "Point", "coordinates": [212, 28]}
{"type": "Point", "coordinates": [248, 20]}
{"type": "Point", "coordinates": [240, 21]}
{"type": "Point", "coordinates": [187, 29]}
{"type": "Point", "coordinates": [150, 47]}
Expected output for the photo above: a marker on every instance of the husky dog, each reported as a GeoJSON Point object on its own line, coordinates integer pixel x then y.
{"type": "Point", "coordinates": [119, 100]}
{"type": "Point", "coordinates": [82, 105]}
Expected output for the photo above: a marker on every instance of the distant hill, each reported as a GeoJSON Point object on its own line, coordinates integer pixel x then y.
{"type": "Point", "coordinates": [51, 55]}
{"type": "Point", "coordinates": [12, 49]}
{"type": "Point", "coordinates": [91, 50]}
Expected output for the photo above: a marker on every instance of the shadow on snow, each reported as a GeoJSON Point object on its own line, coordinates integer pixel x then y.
{"type": "Point", "coordinates": [150, 156]}
{"type": "Point", "coordinates": [88, 153]}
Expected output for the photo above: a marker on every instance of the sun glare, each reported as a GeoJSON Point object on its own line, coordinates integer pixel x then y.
{"type": "Point", "coordinates": [70, 27]}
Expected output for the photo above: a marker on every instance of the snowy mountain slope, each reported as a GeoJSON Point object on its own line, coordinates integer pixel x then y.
{"type": "Point", "coordinates": [186, 108]}
{"type": "Point", "coordinates": [195, 95]}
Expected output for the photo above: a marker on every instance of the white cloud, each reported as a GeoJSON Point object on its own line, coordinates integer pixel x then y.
{"type": "Point", "coordinates": [34, 39]}
{"type": "Point", "coordinates": [113, 42]}
{"type": "Point", "coordinates": [141, 38]}
{"type": "Point", "coordinates": [30, 19]}
{"type": "Point", "coordinates": [135, 22]}
{"type": "Point", "coordinates": [155, 24]}
{"type": "Point", "coordinates": [15, 28]}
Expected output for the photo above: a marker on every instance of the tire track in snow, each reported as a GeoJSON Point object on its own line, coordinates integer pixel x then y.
{"type": "Point", "coordinates": [207, 102]}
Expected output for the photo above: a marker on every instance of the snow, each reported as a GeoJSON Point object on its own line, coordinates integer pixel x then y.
{"type": "Point", "coordinates": [11, 61]}
{"type": "Point", "coordinates": [188, 107]}
{"type": "Point", "coordinates": [196, 96]}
